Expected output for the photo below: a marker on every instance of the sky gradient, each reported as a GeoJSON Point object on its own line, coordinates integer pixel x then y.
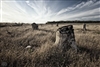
{"type": "Point", "coordinates": [41, 11]}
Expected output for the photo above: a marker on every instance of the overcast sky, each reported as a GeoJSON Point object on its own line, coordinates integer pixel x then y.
{"type": "Point", "coordinates": [41, 11]}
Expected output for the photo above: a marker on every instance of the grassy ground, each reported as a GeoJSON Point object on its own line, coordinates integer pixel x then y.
{"type": "Point", "coordinates": [13, 42]}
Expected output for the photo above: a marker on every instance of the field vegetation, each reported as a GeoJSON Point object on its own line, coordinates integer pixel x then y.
{"type": "Point", "coordinates": [15, 39]}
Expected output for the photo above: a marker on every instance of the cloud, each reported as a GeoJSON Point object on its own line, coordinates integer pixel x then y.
{"type": "Point", "coordinates": [88, 3]}
{"type": "Point", "coordinates": [83, 6]}
{"type": "Point", "coordinates": [28, 11]}
{"type": "Point", "coordinates": [86, 13]}
{"type": "Point", "coordinates": [42, 11]}
{"type": "Point", "coordinates": [97, 17]}
{"type": "Point", "coordinates": [0, 11]}
{"type": "Point", "coordinates": [70, 8]}
{"type": "Point", "coordinates": [84, 9]}
{"type": "Point", "coordinates": [13, 12]}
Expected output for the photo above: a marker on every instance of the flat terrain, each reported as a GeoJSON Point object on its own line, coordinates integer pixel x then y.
{"type": "Point", "coordinates": [15, 39]}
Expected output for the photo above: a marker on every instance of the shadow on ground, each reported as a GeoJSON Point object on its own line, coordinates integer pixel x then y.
{"type": "Point", "coordinates": [93, 53]}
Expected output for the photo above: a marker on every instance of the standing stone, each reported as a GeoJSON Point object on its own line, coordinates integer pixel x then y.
{"type": "Point", "coordinates": [57, 25]}
{"type": "Point", "coordinates": [84, 27]}
{"type": "Point", "coordinates": [65, 38]}
{"type": "Point", "coordinates": [34, 26]}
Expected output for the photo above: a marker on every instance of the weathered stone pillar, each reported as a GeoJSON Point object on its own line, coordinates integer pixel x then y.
{"type": "Point", "coordinates": [34, 26]}
{"type": "Point", "coordinates": [57, 24]}
{"type": "Point", "coordinates": [65, 37]}
{"type": "Point", "coordinates": [84, 27]}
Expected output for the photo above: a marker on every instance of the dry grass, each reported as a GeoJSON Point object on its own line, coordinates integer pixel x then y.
{"type": "Point", "coordinates": [13, 41]}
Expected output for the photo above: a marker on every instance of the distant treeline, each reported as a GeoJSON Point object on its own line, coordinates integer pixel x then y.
{"type": "Point", "coordinates": [55, 22]}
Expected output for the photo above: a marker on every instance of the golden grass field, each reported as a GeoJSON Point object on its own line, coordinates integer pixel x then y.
{"type": "Point", "coordinates": [13, 42]}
